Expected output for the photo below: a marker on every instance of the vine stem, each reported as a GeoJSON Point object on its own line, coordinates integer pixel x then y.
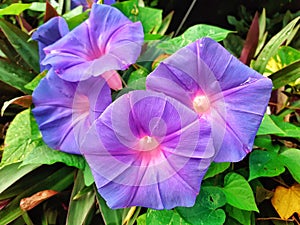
{"type": "Point", "coordinates": [275, 218]}
{"type": "Point", "coordinates": [281, 182]}
{"type": "Point", "coordinates": [185, 17]}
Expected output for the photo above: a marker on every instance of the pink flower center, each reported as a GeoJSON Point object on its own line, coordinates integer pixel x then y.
{"type": "Point", "coordinates": [81, 104]}
{"type": "Point", "coordinates": [148, 143]}
{"type": "Point", "coordinates": [201, 104]}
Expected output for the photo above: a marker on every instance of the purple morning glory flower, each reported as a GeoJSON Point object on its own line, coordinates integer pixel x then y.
{"type": "Point", "coordinates": [64, 110]}
{"type": "Point", "coordinates": [144, 150]}
{"type": "Point", "coordinates": [88, 3]}
{"type": "Point", "coordinates": [106, 41]}
{"type": "Point", "coordinates": [231, 96]}
{"type": "Point", "coordinates": [49, 33]}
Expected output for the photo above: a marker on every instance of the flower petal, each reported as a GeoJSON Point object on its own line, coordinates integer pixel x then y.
{"type": "Point", "coordinates": [106, 41]}
{"type": "Point", "coordinates": [178, 190]}
{"type": "Point", "coordinates": [227, 84]}
{"type": "Point", "coordinates": [242, 122]}
{"type": "Point", "coordinates": [49, 33]}
{"type": "Point", "coordinates": [64, 110]}
{"type": "Point", "coordinates": [125, 171]}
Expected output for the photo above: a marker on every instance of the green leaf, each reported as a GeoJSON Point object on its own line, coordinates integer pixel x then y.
{"type": "Point", "coordinates": [141, 220]}
{"type": "Point", "coordinates": [262, 23]}
{"type": "Point", "coordinates": [137, 74]}
{"type": "Point", "coordinates": [234, 44]}
{"type": "Point", "coordinates": [74, 12]}
{"type": "Point", "coordinates": [14, 9]}
{"type": "Point", "coordinates": [290, 158]}
{"type": "Point", "coordinates": [14, 173]}
{"type": "Point", "coordinates": [111, 216]}
{"type": "Point", "coordinates": [238, 192]}
{"type": "Point", "coordinates": [231, 221]}
{"type": "Point", "coordinates": [216, 168]}
{"type": "Point", "coordinates": [271, 47]}
{"type": "Point", "coordinates": [191, 35]}
{"type": "Point", "coordinates": [44, 155]}
{"type": "Point", "coordinates": [152, 37]}
{"type": "Point", "coordinates": [15, 76]}
{"type": "Point", "coordinates": [284, 56]}
{"type": "Point", "coordinates": [286, 75]}
{"type": "Point", "coordinates": [88, 176]}
{"type": "Point", "coordinates": [268, 126]}
{"type": "Point", "coordinates": [27, 219]}
{"type": "Point", "coordinates": [76, 20]}
{"type": "Point", "coordinates": [34, 83]}
{"type": "Point", "coordinates": [163, 217]}
{"type": "Point", "coordinates": [290, 130]}
{"type": "Point", "coordinates": [150, 18]}
{"type": "Point", "coordinates": [275, 125]}
{"type": "Point", "coordinates": [139, 84]}
{"type": "Point", "coordinates": [270, 163]}
{"type": "Point", "coordinates": [19, 40]}
{"type": "Point", "coordinates": [165, 23]}
{"type": "Point", "coordinates": [22, 137]}
{"type": "Point", "coordinates": [38, 6]}
{"type": "Point", "coordinates": [25, 182]}
{"type": "Point", "coordinates": [265, 142]}
{"type": "Point", "coordinates": [243, 216]}
{"type": "Point", "coordinates": [7, 50]}
{"type": "Point", "coordinates": [206, 209]}
{"type": "Point", "coordinates": [81, 210]}
{"type": "Point", "coordinates": [57, 181]}
{"type": "Point", "coordinates": [18, 8]}
{"type": "Point", "coordinates": [265, 164]}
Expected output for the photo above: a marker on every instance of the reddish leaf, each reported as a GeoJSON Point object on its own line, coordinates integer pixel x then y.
{"type": "Point", "coordinates": [4, 203]}
{"type": "Point", "coordinates": [251, 41]}
{"type": "Point", "coordinates": [23, 23]}
{"type": "Point", "coordinates": [50, 12]}
{"type": "Point", "coordinates": [32, 201]}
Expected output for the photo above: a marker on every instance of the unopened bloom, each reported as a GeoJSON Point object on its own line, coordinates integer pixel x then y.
{"type": "Point", "coordinates": [106, 41]}
{"type": "Point", "coordinates": [144, 150]}
{"type": "Point", "coordinates": [231, 96]}
{"type": "Point", "coordinates": [65, 110]}
{"type": "Point", "coordinates": [49, 33]}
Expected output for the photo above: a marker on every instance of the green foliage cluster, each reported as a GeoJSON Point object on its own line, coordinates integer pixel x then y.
{"type": "Point", "coordinates": [236, 193]}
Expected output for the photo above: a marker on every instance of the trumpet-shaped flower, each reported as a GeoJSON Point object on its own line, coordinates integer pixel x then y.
{"type": "Point", "coordinates": [49, 33]}
{"type": "Point", "coordinates": [106, 41]}
{"type": "Point", "coordinates": [231, 96]}
{"type": "Point", "coordinates": [144, 150]}
{"type": "Point", "coordinates": [65, 110]}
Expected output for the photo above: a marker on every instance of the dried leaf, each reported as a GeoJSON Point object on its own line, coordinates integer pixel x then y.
{"type": "Point", "coordinates": [286, 201]}
{"type": "Point", "coordinates": [24, 101]}
{"type": "Point", "coordinates": [32, 201]}
{"type": "Point", "coordinates": [262, 194]}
